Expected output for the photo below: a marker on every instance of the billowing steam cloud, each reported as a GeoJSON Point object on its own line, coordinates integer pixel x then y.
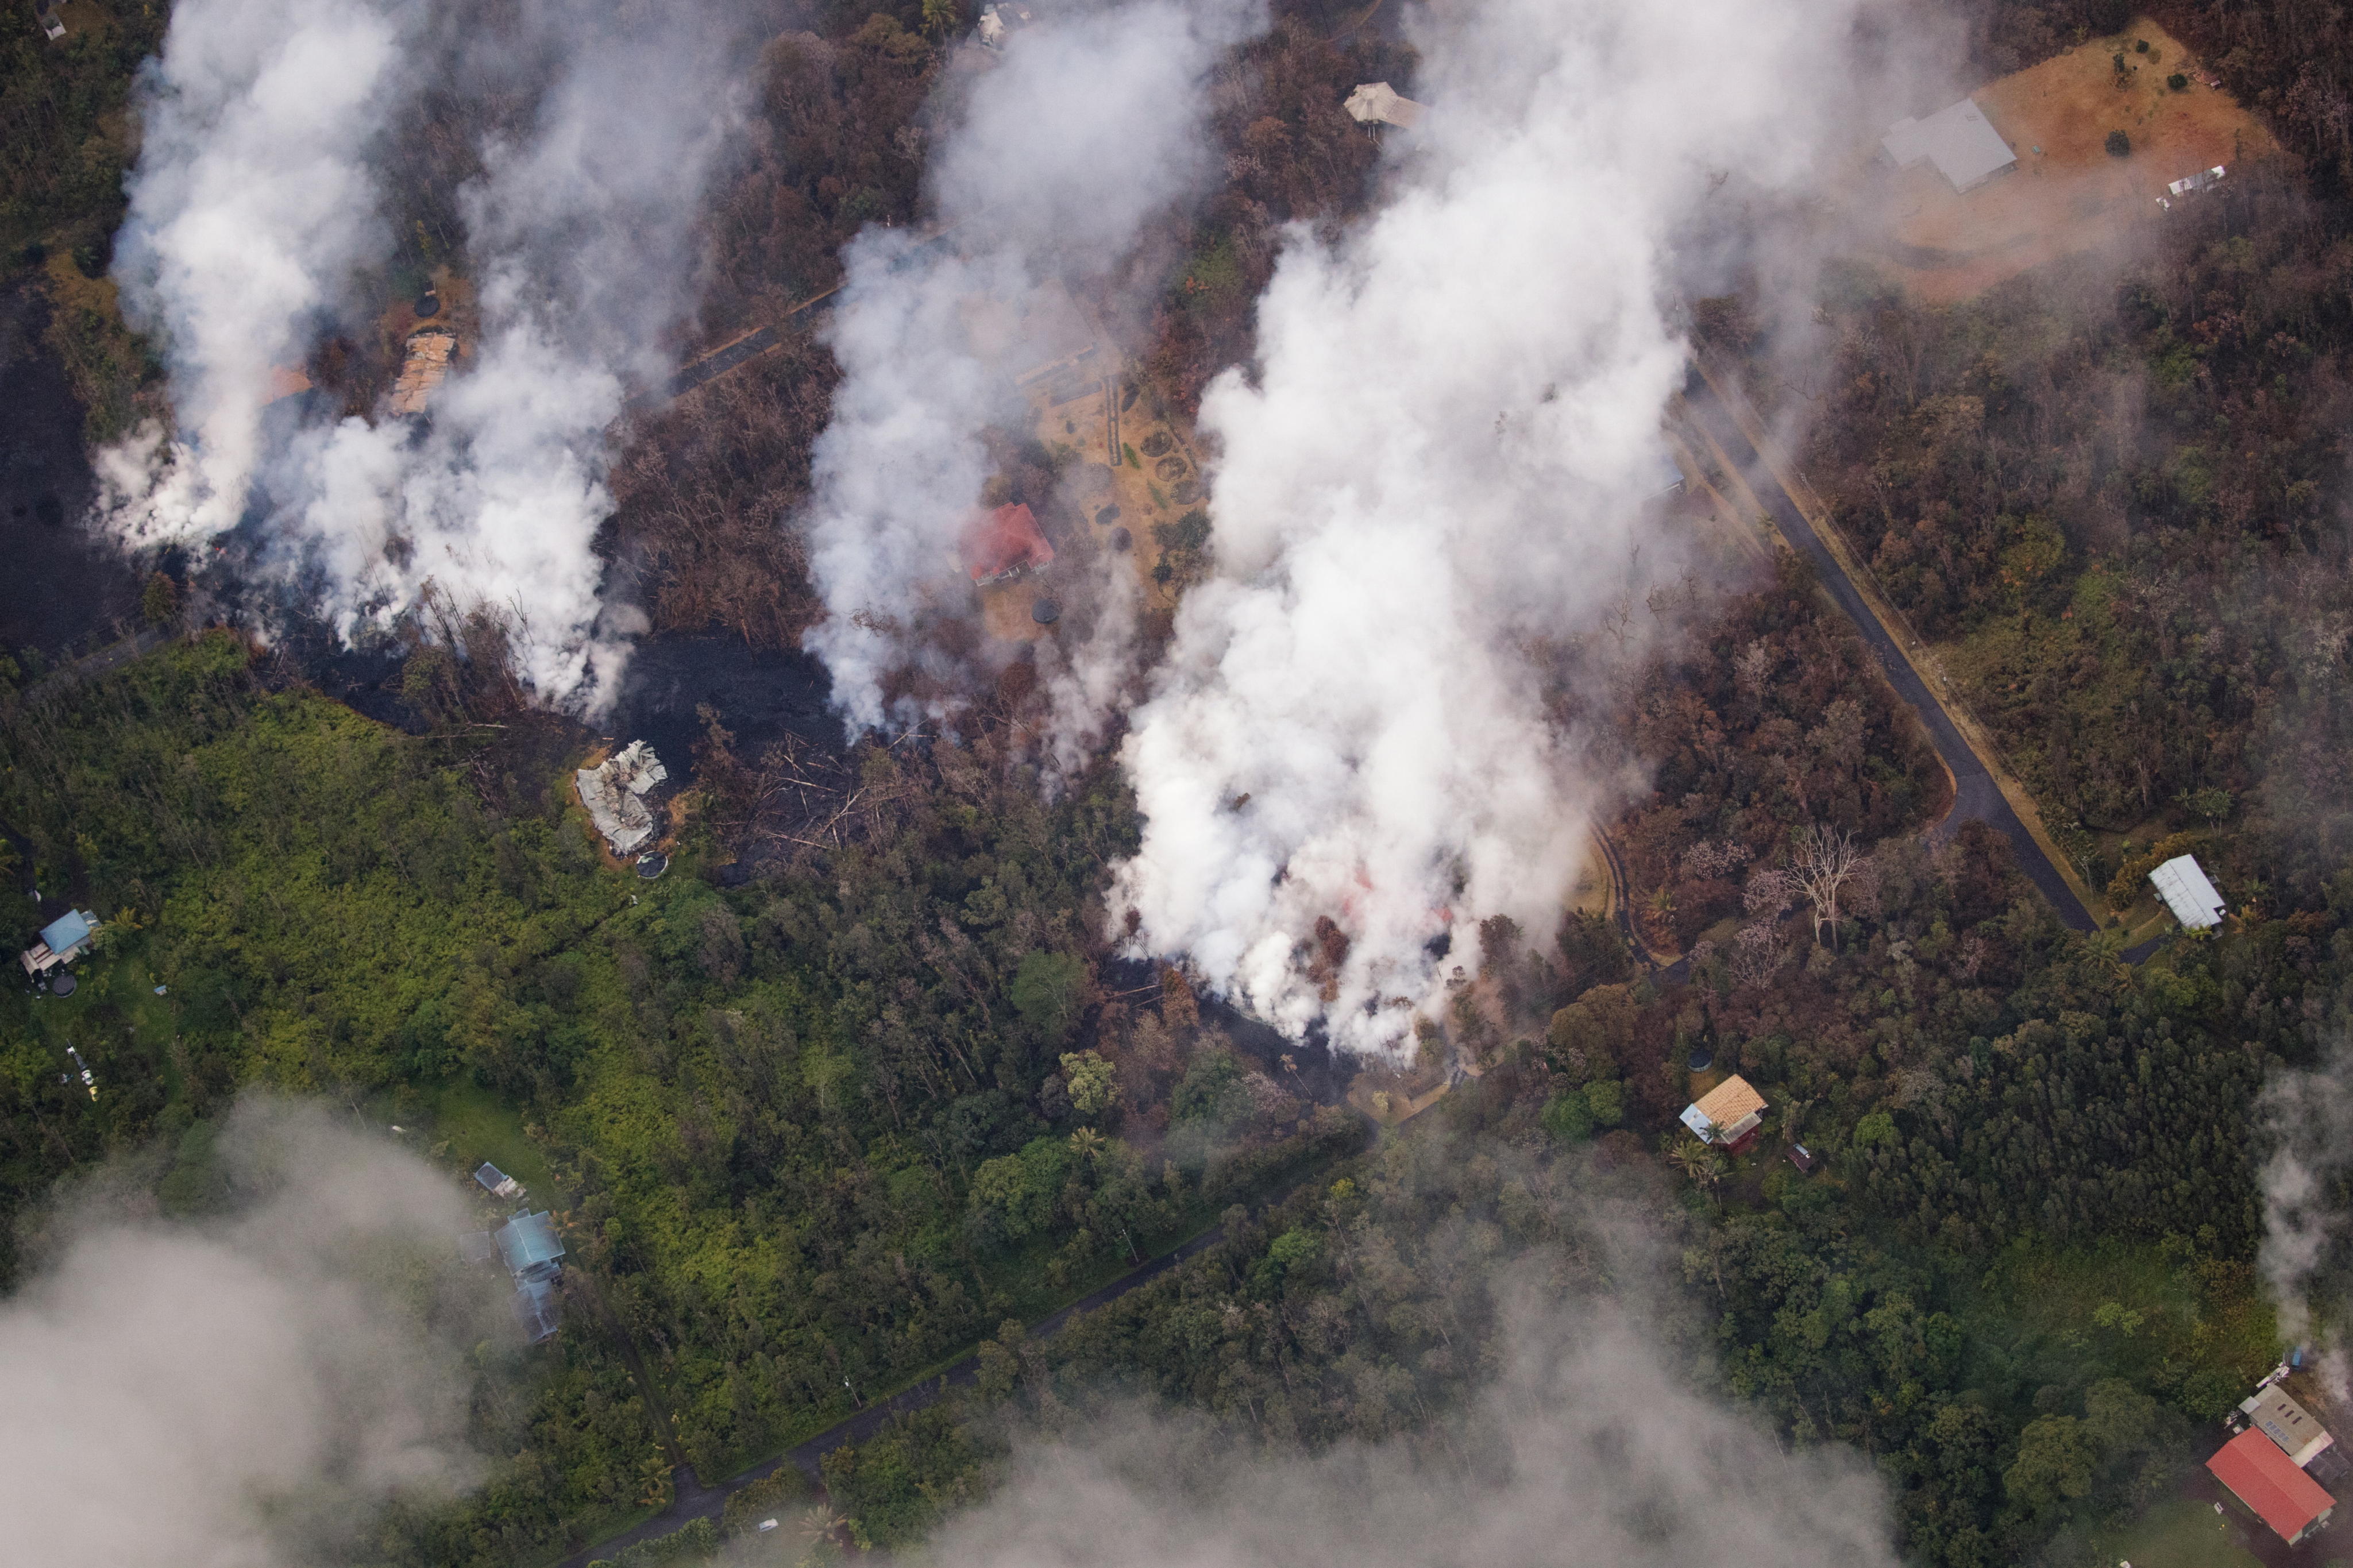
{"type": "Point", "coordinates": [1586, 1452]}
{"type": "Point", "coordinates": [1442, 458]}
{"type": "Point", "coordinates": [1089, 125]}
{"type": "Point", "coordinates": [259, 129]}
{"type": "Point", "coordinates": [240, 1391]}
{"type": "Point", "coordinates": [252, 202]}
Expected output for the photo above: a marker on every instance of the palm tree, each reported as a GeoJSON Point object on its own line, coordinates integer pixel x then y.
{"type": "Point", "coordinates": [1086, 1143]}
{"type": "Point", "coordinates": [821, 1529]}
{"type": "Point", "coordinates": [1698, 1161]}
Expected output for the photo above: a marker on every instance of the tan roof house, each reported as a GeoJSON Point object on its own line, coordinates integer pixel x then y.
{"type": "Point", "coordinates": [1729, 1114]}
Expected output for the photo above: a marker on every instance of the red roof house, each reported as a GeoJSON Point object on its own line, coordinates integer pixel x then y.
{"type": "Point", "coordinates": [2265, 1479]}
{"type": "Point", "coordinates": [1002, 544]}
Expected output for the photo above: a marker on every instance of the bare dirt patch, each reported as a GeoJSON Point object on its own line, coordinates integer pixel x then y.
{"type": "Point", "coordinates": [2068, 193]}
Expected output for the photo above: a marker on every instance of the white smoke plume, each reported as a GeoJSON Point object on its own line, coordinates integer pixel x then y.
{"type": "Point", "coordinates": [579, 244]}
{"type": "Point", "coordinates": [1049, 169]}
{"type": "Point", "coordinates": [2308, 1117]}
{"type": "Point", "coordinates": [252, 202]}
{"type": "Point", "coordinates": [241, 1391]}
{"type": "Point", "coordinates": [1586, 1453]}
{"type": "Point", "coordinates": [1439, 458]}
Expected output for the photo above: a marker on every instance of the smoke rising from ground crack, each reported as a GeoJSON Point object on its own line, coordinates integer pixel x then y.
{"type": "Point", "coordinates": [1049, 167]}
{"type": "Point", "coordinates": [258, 195]}
{"type": "Point", "coordinates": [1442, 457]}
{"type": "Point", "coordinates": [241, 1390]}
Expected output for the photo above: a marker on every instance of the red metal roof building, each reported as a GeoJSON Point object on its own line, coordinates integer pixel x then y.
{"type": "Point", "coordinates": [2265, 1479]}
{"type": "Point", "coordinates": [1002, 544]}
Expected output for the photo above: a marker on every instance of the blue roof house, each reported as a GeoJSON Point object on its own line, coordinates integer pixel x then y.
{"type": "Point", "coordinates": [62, 941]}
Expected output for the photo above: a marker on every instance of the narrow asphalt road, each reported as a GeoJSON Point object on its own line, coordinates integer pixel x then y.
{"type": "Point", "coordinates": [1977, 799]}
{"type": "Point", "coordinates": [690, 1499]}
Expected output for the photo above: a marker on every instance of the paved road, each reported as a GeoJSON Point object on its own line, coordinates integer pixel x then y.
{"type": "Point", "coordinates": [691, 1499]}
{"type": "Point", "coordinates": [1977, 799]}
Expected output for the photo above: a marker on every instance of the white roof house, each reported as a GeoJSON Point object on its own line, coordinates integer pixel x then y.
{"type": "Point", "coordinates": [1376, 102]}
{"type": "Point", "coordinates": [1965, 147]}
{"type": "Point", "coordinates": [2187, 893]}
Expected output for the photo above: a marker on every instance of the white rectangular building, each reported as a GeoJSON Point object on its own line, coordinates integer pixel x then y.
{"type": "Point", "coordinates": [1959, 139]}
{"type": "Point", "coordinates": [2187, 893]}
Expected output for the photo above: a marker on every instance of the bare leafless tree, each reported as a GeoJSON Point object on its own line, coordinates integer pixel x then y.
{"type": "Point", "coordinates": [1822, 861]}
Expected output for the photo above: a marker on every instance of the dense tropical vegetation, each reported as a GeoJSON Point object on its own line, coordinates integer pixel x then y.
{"type": "Point", "coordinates": [817, 1132]}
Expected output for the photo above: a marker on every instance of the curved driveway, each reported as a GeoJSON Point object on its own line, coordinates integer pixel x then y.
{"type": "Point", "coordinates": [1976, 796]}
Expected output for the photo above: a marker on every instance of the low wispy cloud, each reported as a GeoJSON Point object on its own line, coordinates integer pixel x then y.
{"type": "Point", "coordinates": [244, 1389]}
{"type": "Point", "coordinates": [1587, 1451]}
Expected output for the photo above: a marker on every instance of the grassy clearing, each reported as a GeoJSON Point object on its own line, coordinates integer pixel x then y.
{"type": "Point", "coordinates": [2181, 1533]}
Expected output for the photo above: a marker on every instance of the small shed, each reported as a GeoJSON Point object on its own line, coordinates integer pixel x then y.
{"type": "Point", "coordinates": [1729, 1114]}
{"type": "Point", "coordinates": [2301, 1437]}
{"type": "Point", "coordinates": [2267, 1481]}
{"type": "Point", "coordinates": [1802, 1157]}
{"type": "Point", "coordinates": [1958, 139]}
{"type": "Point", "coordinates": [1379, 103]}
{"type": "Point", "coordinates": [1001, 545]}
{"type": "Point", "coordinates": [2183, 884]}
{"type": "Point", "coordinates": [497, 1183]}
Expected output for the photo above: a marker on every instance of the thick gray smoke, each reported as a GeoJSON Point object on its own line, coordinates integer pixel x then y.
{"type": "Point", "coordinates": [260, 129]}
{"type": "Point", "coordinates": [1089, 124]}
{"type": "Point", "coordinates": [1588, 1451]}
{"type": "Point", "coordinates": [239, 1391]}
{"type": "Point", "coordinates": [1442, 457]}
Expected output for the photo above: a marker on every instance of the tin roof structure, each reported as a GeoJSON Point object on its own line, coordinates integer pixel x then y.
{"type": "Point", "coordinates": [2183, 884]}
{"type": "Point", "coordinates": [614, 792]}
{"type": "Point", "coordinates": [1379, 103]}
{"type": "Point", "coordinates": [2285, 1422]}
{"type": "Point", "coordinates": [537, 1308]}
{"type": "Point", "coordinates": [528, 1244]}
{"type": "Point", "coordinates": [2267, 1481]}
{"type": "Point", "coordinates": [1965, 147]}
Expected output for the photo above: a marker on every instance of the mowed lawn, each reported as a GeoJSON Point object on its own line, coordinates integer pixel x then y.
{"type": "Point", "coordinates": [2181, 1533]}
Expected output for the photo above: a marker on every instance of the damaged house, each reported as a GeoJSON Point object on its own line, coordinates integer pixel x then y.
{"type": "Point", "coordinates": [614, 792]}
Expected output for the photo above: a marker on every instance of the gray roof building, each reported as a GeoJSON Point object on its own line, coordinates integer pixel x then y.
{"type": "Point", "coordinates": [1965, 147]}
{"type": "Point", "coordinates": [2288, 1423]}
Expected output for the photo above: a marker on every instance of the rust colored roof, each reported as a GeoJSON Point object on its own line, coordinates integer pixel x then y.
{"type": "Point", "coordinates": [2267, 1481]}
{"type": "Point", "coordinates": [1003, 543]}
{"type": "Point", "coordinates": [1728, 1102]}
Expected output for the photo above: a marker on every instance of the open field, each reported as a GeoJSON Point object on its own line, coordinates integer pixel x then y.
{"type": "Point", "coordinates": [2180, 1532]}
{"type": "Point", "coordinates": [2067, 193]}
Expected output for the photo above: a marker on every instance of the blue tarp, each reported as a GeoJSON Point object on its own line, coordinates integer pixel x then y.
{"type": "Point", "coordinates": [68, 931]}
